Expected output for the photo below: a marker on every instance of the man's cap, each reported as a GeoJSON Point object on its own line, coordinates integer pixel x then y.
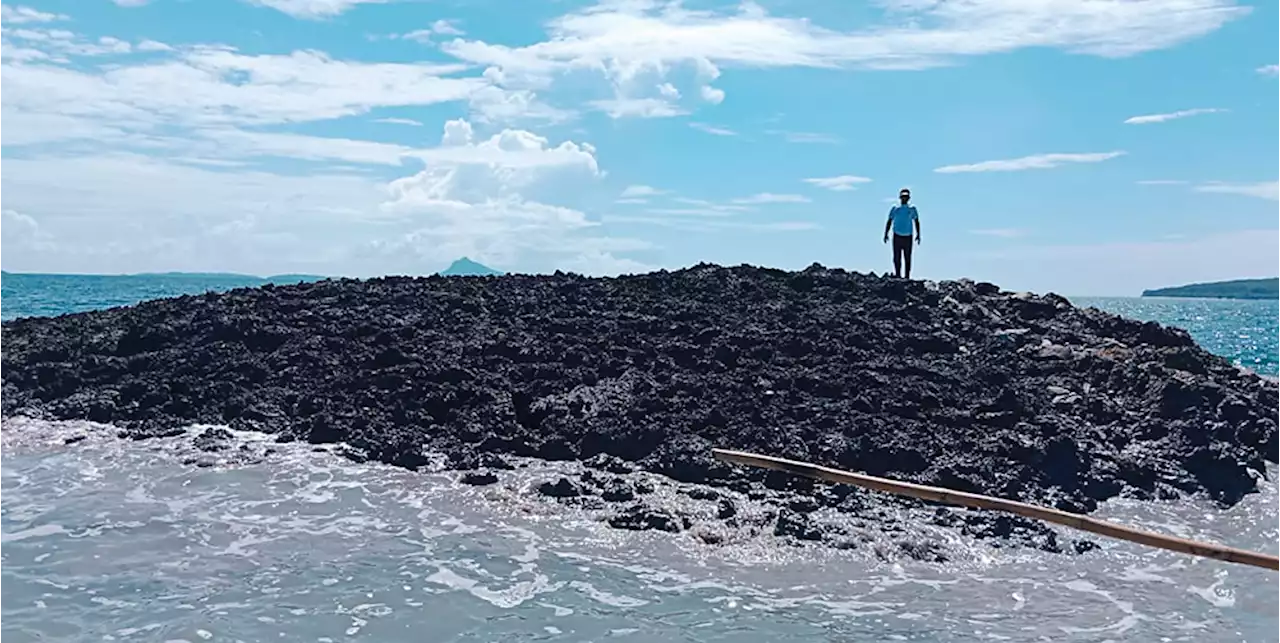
{"type": "Point", "coordinates": [904, 191]}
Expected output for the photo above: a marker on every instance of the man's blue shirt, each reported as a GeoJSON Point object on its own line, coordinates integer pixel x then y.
{"type": "Point", "coordinates": [904, 219]}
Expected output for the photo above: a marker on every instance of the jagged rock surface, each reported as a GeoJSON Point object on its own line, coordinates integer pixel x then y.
{"type": "Point", "coordinates": [954, 383]}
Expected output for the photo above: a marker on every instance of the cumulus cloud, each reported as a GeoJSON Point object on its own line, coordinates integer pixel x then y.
{"type": "Point", "coordinates": [842, 183]}
{"type": "Point", "coordinates": [1269, 70]}
{"type": "Point", "coordinates": [1170, 116]}
{"type": "Point", "coordinates": [18, 15]}
{"type": "Point", "coordinates": [1034, 162]}
{"type": "Point", "coordinates": [627, 40]}
{"type": "Point", "coordinates": [499, 199]}
{"type": "Point", "coordinates": [496, 199]}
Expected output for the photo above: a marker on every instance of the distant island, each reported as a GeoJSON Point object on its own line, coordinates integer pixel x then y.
{"type": "Point", "coordinates": [233, 276]}
{"type": "Point", "coordinates": [1237, 289]}
{"type": "Point", "coordinates": [465, 267]}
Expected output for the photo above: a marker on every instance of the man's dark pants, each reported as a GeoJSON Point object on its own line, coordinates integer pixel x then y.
{"type": "Point", "coordinates": [901, 252]}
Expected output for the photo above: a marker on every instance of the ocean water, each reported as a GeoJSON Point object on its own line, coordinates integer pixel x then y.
{"type": "Point", "coordinates": [109, 540]}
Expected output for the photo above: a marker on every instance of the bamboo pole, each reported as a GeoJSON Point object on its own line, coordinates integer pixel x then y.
{"type": "Point", "coordinates": [939, 494]}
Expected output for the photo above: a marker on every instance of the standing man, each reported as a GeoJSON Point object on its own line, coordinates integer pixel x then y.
{"type": "Point", "coordinates": [902, 218]}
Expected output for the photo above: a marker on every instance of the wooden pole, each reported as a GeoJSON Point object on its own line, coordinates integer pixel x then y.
{"type": "Point", "coordinates": [939, 494]}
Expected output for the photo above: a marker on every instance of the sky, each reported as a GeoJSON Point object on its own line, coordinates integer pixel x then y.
{"type": "Point", "coordinates": [1085, 147]}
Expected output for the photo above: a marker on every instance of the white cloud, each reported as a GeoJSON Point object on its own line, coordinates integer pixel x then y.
{"type": "Point", "coordinates": [239, 143]}
{"type": "Point", "coordinates": [18, 225]}
{"type": "Point", "coordinates": [605, 264]}
{"type": "Point", "coordinates": [504, 165]}
{"type": "Point", "coordinates": [1161, 118]}
{"type": "Point", "coordinates": [12, 15]}
{"type": "Point", "coordinates": [152, 45]}
{"type": "Point", "coordinates": [26, 128]}
{"type": "Point", "coordinates": [447, 28]}
{"type": "Point", "coordinates": [637, 107]}
{"type": "Point", "coordinates": [769, 197]}
{"type": "Point", "coordinates": [490, 104]}
{"type": "Point", "coordinates": [1035, 162]}
{"type": "Point", "coordinates": [1262, 189]}
{"type": "Point", "coordinates": [711, 94]}
{"type": "Point", "coordinates": [437, 28]}
{"type": "Point", "coordinates": [639, 191]}
{"type": "Point", "coordinates": [1003, 233]}
{"type": "Point", "coordinates": [668, 90]}
{"type": "Point", "coordinates": [631, 201]}
{"type": "Point", "coordinates": [313, 9]}
{"type": "Point", "coordinates": [161, 163]}
{"type": "Point", "coordinates": [398, 121]}
{"type": "Point", "coordinates": [712, 129]}
{"type": "Point", "coordinates": [1269, 70]}
{"type": "Point", "coordinates": [842, 183]}
{"type": "Point", "coordinates": [626, 40]}
{"type": "Point", "coordinates": [210, 86]}
{"type": "Point", "coordinates": [11, 53]}
{"type": "Point", "coordinates": [510, 153]}
{"type": "Point", "coordinates": [476, 196]}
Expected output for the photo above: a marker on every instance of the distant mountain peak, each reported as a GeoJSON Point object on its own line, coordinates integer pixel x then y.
{"type": "Point", "coordinates": [465, 267]}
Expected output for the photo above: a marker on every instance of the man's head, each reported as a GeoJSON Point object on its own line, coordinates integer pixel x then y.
{"type": "Point", "coordinates": [904, 195]}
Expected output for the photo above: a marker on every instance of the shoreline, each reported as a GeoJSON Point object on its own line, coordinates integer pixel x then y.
{"type": "Point", "coordinates": [955, 384]}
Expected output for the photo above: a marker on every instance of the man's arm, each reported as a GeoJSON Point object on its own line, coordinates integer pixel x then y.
{"type": "Point", "coordinates": [887, 224]}
{"type": "Point", "coordinates": [917, 218]}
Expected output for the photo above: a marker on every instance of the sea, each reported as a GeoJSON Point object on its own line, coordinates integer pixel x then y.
{"type": "Point", "coordinates": [103, 539]}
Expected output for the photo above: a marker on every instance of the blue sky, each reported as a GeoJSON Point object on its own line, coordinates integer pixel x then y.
{"type": "Point", "coordinates": [1094, 147]}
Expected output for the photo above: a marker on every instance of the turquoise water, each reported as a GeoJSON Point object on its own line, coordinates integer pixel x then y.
{"type": "Point", "coordinates": [26, 295]}
{"type": "Point", "coordinates": [107, 540]}
{"type": "Point", "coordinates": [1246, 332]}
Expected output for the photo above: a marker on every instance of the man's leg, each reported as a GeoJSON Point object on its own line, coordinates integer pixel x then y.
{"type": "Point", "coordinates": [906, 255]}
{"type": "Point", "coordinates": [897, 257]}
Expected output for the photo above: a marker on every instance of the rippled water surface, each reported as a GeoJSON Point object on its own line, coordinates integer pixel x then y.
{"type": "Point", "coordinates": [108, 540]}
{"type": "Point", "coordinates": [1246, 332]}
{"type": "Point", "coordinates": [112, 540]}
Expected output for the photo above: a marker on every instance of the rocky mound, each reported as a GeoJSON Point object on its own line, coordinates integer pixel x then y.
{"type": "Point", "coordinates": [954, 384]}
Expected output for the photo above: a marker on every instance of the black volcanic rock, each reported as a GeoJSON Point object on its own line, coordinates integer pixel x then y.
{"type": "Point", "coordinates": [953, 383]}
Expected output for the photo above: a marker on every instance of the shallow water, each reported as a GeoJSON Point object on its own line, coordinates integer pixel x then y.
{"type": "Point", "coordinates": [106, 539]}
